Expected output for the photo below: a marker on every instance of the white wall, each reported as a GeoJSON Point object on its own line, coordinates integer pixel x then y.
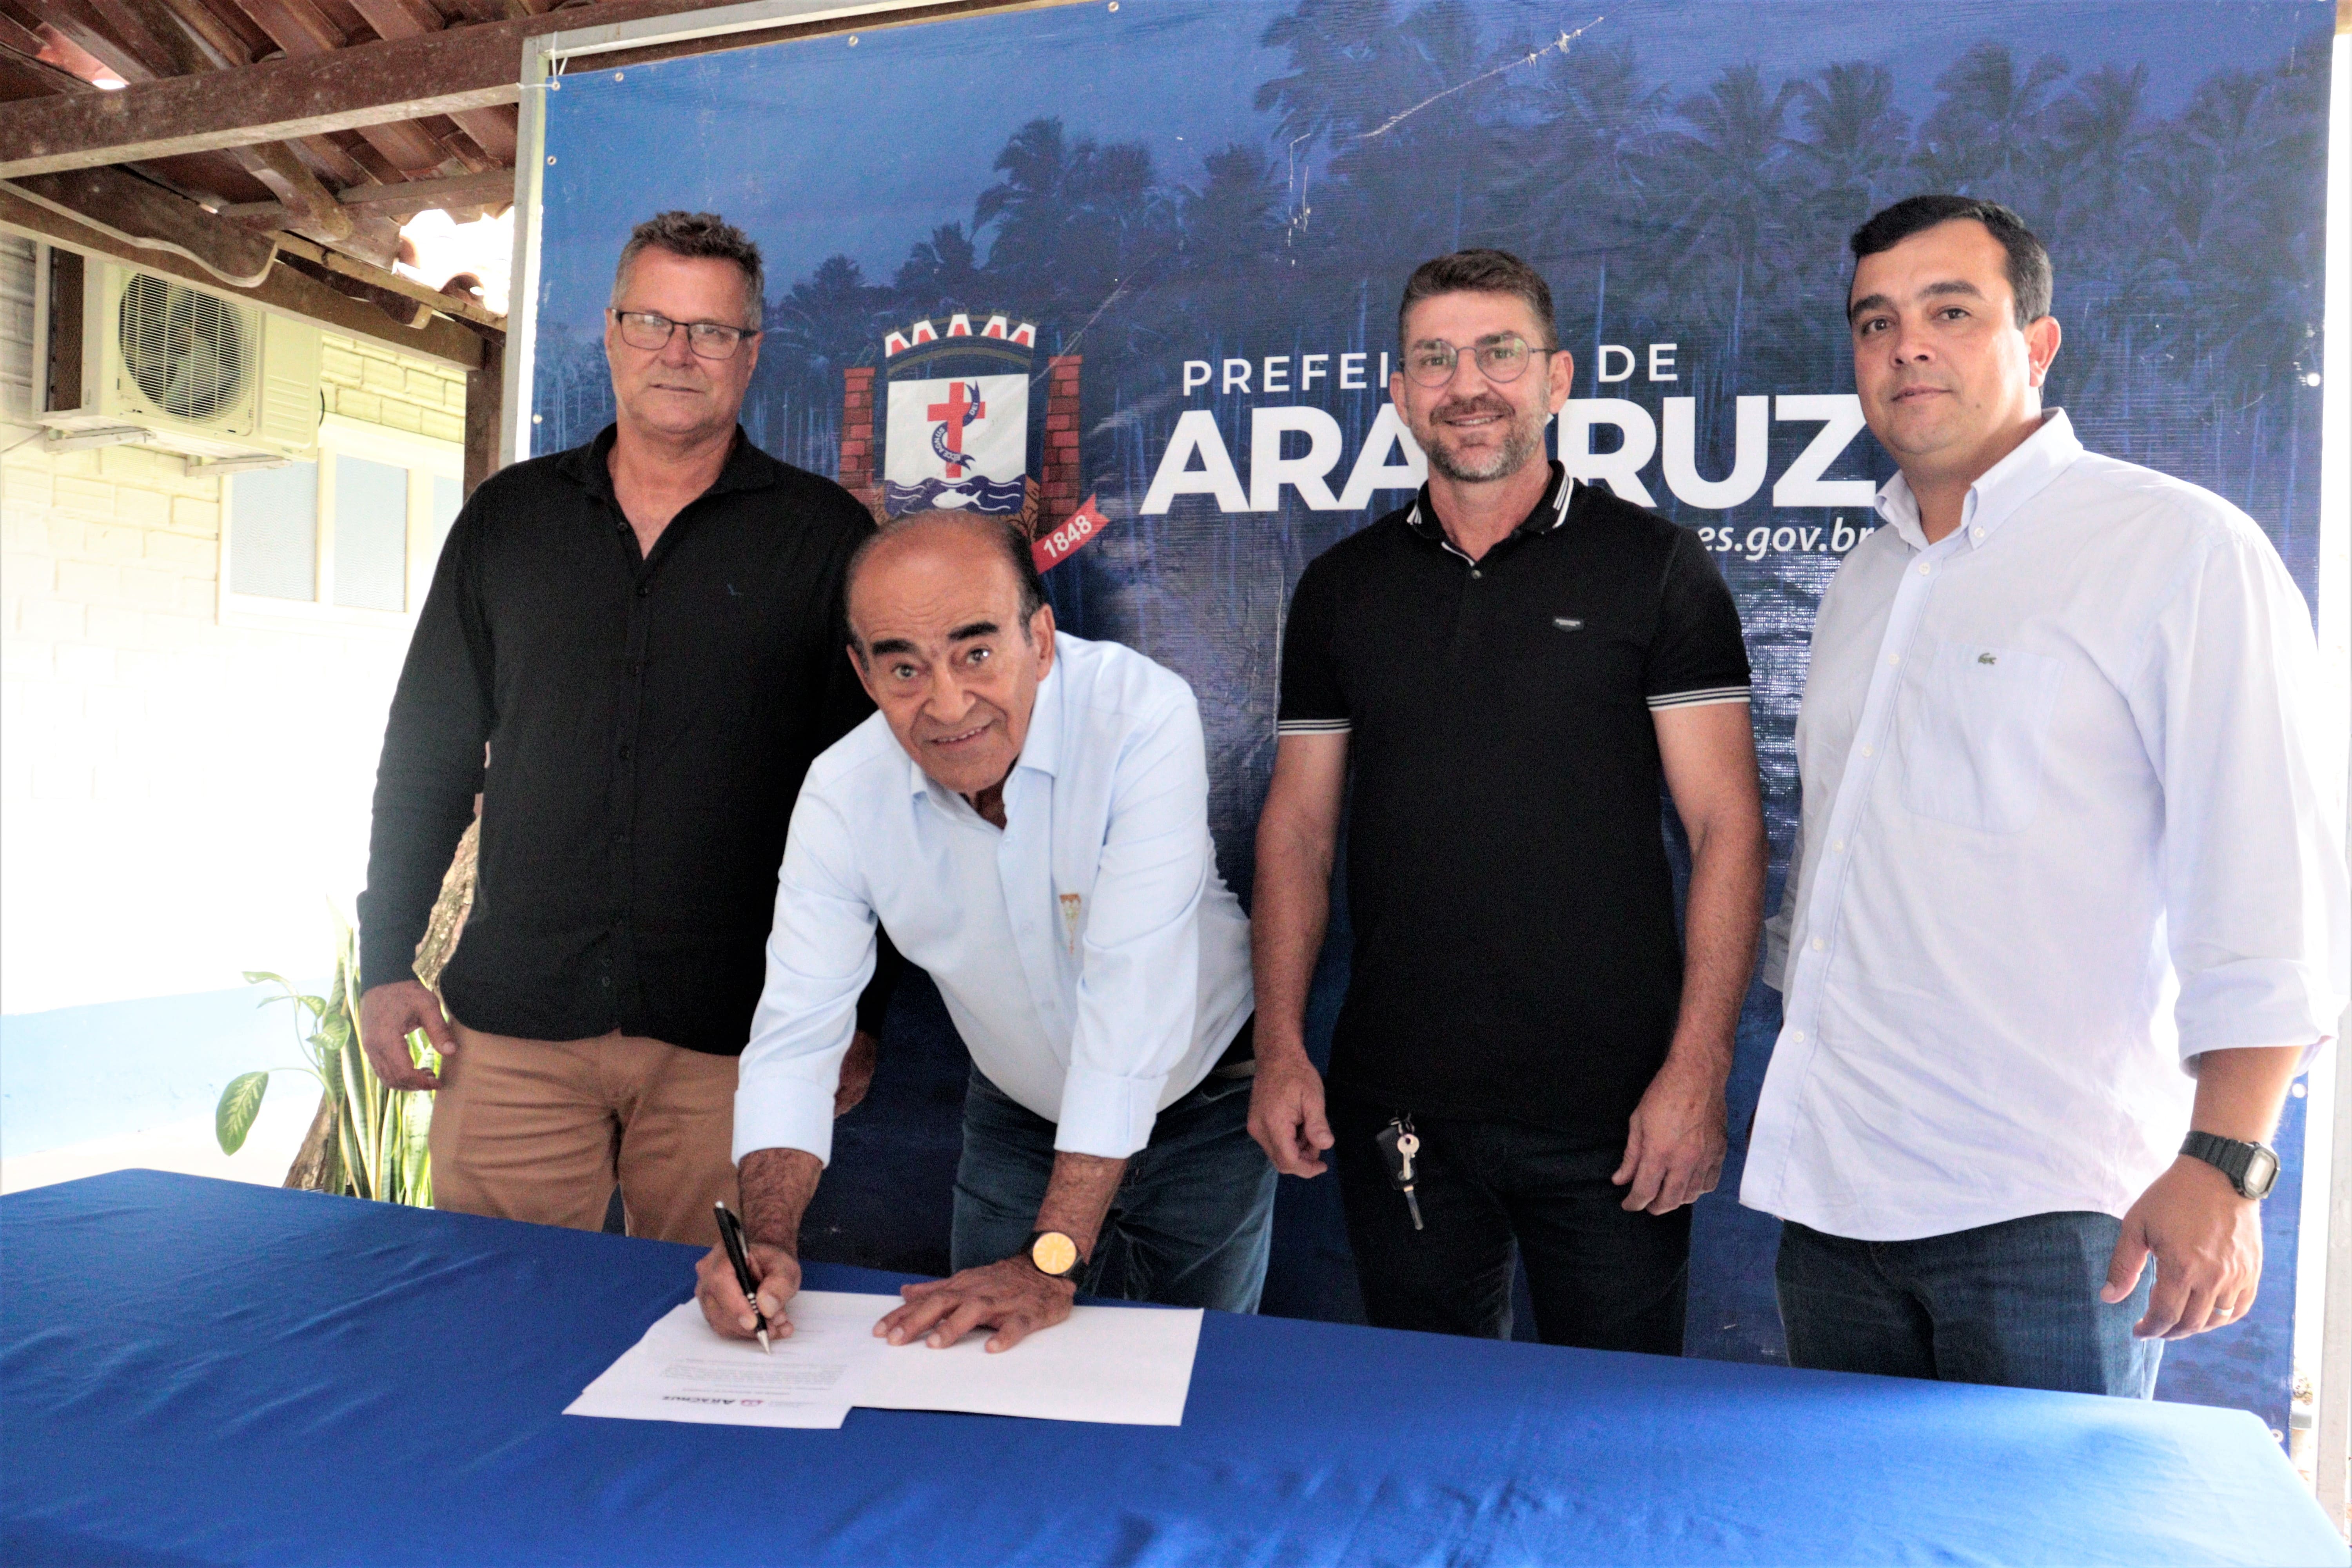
{"type": "Point", "coordinates": [181, 799]}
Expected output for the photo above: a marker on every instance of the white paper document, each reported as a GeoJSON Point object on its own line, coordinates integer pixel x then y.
{"type": "Point", "coordinates": [1130, 1367]}
{"type": "Point", "coordinates": [1123, 1365]}
{"type": "Point", "coordinates": [681, 1371]}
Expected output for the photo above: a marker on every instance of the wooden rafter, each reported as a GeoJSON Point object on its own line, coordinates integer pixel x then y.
{"type": "Point", "coordinates": [492, 189]}
{"type": "Point", "coordinates": [363, 85]}
{"type": "Point", "coordinates": [145, 217]}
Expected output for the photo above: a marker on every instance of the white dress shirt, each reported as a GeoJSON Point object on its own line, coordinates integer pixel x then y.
{"type": "Point", "coordinates": [1093, 960]}
{"type": "Point", "coordinates": [2065, 827]}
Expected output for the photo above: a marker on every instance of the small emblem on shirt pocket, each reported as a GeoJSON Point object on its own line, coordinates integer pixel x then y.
{"type": "Point", "coordinates": [1569, 623]}
{"type": "Point", "coordinates": [1973, 731]}
{"type": "Point", "coordinates": [1071, 904]}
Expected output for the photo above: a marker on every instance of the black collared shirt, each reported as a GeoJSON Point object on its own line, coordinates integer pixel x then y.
{"type": "Point", "coordinates": [1515, 953]}
{"type": "Point", "coordinates": [648, 720]}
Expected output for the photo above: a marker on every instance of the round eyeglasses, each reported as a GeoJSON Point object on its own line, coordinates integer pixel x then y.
{"type": "Point", "coordinates": [1505, 358]}
{"type": "Point", "coordinates": [651, 331]}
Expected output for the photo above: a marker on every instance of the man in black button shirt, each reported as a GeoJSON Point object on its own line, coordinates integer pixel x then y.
{"type": "Point", "coordinates": [631, 651]}
{"type": "Point", "coordinates": [1507, 671]}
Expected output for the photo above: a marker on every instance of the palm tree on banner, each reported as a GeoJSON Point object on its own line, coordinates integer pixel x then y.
{"type": "Point", "coordinates": [2252, 273]}
{"type": "Point", "coordinates": [1986, 138]}
{"type": "Point", "coordinates": [1336, 48]}
{"type": "Point", "coordinates": [1347, 74]}
{"type": "Point", "coordinates": [1415, 171]}
{"type": "Point", "coordinates": [2098, 133]}
{"type": "Point", "coordinates": [1232, 224]}
{"type": "Point", "coordinates": [1857, 141]}
{"type": "Point", "coordinates": [833, 320]}
{"type": "Point", "coordinates": [2098, 141]}
{"type": "Point", "coordinates": [1577, 193]}
{"type": "Point", "coordinates": [1074, 224]}
{"type": "Point", "coordinates": [941, 275]}
{"type": "Point", "coordinates": [1725, 187]}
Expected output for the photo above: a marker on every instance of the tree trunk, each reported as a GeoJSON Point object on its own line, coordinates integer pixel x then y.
{"type": "Point", "coordinates": [309, 1171]}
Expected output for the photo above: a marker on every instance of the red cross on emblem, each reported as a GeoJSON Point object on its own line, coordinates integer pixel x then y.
{"type": "Point", "coordinates": [963, 404]}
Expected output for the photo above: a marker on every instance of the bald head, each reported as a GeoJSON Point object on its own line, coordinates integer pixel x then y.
{"type": "Point", "coordinates": [960, 542]}
{"type": "Point", "coordinates": [951, 635]}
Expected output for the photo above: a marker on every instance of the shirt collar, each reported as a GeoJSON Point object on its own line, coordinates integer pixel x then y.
{"type": "Point", "coordinates": [1040, 749]}
{"type": "Point", "coordinates": [591, 466]}
{"type": "Point", "coordinates": [2000, 491]}
{"type": "Point", "coordinates": [1548, 513]}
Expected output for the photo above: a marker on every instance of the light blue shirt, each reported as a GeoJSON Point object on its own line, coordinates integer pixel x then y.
{"type": "Point", "coordinates": [1091, 957]}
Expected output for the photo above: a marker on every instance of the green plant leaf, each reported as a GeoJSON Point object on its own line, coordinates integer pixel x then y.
{"type": "Point", "coordinates": [415, 1158]}
{"type": "Point", "coordinates": [421, 1051]}
{"type": "Point", "coordinates": [240, 1102]}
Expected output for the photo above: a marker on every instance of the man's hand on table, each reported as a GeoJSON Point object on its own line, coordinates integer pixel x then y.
{"type": "Point", "coordinates": [388, 1014]}
{"type": "Point", "coordinates": [715, 1287]}
{"type": "Point", "coordinates": [2207, 1243]}
{"type": "Point", "coordinates": [1011, 1297]}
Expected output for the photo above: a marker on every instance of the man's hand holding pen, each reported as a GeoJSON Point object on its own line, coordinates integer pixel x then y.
{"type": "Point", "coordinates": [723, 1306]}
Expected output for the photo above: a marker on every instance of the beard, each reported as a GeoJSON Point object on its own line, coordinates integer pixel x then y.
{"type": "Point", "coordinates": [1523, 440]}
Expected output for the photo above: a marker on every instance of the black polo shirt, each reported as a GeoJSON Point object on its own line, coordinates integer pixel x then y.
{"type": "Point", "coordinates": [1515, 953]}
{"type": "Point", "coordinates": [648, 720]}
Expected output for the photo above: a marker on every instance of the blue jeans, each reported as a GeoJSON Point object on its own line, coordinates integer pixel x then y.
{"type": "Point", "coordinates": [1191, 1224]}
{"type": "Point", "coordinates": [2015, 1304]}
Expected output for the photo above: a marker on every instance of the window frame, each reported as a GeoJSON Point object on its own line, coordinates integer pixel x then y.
{"type": "Point", "coordinates": [426, 459]}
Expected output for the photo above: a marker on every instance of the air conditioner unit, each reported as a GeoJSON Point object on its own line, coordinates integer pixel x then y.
{"type": "Point", "coordinates": [135, 359]}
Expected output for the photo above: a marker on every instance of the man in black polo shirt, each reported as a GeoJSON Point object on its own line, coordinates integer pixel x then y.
{"type": "Point", "coordinates": [1507, 671]}
{"type": "Point", "coordinates": [631, 650]}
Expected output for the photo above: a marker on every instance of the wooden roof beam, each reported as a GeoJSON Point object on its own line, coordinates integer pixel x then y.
{"type": "Point", "coordinates": [494, 189]}
{"type": "Point", "coordinates": [283, 289]}
{"type": "Point", "coordinates": [364, 85]}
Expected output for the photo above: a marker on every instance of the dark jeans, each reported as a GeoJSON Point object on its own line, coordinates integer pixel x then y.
{"type": "Point", "coordinates": [1194, 1215]}
{"type": "Point", "coordinates": [2015, 1304]}
{"type": "Point", "coordinates": [1602, 1278]}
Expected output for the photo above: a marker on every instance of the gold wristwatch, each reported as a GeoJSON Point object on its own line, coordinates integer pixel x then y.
{"type": "Point", "coordinates": [1054, 1256]}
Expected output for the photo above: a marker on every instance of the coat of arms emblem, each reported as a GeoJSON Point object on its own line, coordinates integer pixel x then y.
{"type": "Point", "coordinates": [958, 431]}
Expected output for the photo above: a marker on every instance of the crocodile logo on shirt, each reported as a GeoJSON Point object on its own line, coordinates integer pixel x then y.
{"type": "Point", "coordinates": [1986, 659]}
{"type": "Point", "coordinates": [1568, 622]}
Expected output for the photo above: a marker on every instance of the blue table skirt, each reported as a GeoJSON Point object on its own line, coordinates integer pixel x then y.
{"type": "Point", "coordinates": [197, 1372]}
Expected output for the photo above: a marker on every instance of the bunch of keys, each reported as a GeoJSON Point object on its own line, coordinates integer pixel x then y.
{"type": "Point", "coordinates": [1398, 1144]}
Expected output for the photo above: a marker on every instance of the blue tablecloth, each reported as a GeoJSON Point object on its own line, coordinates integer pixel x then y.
{"type": "Point", "coordinates": [195, 1372]}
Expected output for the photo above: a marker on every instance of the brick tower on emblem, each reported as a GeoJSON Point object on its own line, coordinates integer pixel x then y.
{"type": "Point", "coordinates": [956, 432]}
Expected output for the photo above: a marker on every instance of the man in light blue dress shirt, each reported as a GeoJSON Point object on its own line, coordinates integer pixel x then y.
{"type": "Point", "coordinates": [1027, 814]}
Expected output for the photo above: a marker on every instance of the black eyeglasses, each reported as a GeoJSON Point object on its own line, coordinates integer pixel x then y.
{"type": "Point", "coordinates": [650, 331]}
{"type": "Point", "coordinates": [1503, 358]}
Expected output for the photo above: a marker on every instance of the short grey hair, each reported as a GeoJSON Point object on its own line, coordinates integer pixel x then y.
{"type": "Point", "coordinates": [698, 236]}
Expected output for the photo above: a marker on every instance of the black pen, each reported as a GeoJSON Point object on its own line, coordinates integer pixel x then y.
{"type": "Point", "coordinates": [730, 1231]}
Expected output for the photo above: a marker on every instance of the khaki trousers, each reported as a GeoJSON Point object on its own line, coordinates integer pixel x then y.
{"type": "Point", "coordinates": [543, 1130]}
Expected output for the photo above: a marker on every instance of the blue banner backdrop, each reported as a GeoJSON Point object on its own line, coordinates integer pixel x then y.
{"type": "Point", "coordinates": [1203, 211]}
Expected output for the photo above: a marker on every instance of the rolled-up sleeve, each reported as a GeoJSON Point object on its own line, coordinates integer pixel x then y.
{"type": "Point", "coordinates": [2255, 895]}
{"type": "Point", "coordinates": [820, 956]}
{"type": "Point", "coordinates": [1138, 985]}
